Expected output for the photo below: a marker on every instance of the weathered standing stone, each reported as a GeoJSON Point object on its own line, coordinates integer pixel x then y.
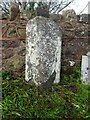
{"type": "Point", "coordinates": [43, 50]}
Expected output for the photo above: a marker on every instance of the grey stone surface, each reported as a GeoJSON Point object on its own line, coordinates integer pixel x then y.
{"type": "Point", "coordinates": [70, 17]}
{"type": "Point", "coordinates": [43, 50]}
{"type": "Point", "coordinates": [85, 69]}
{"type": "Point", "coordinates": [56, 17]}
{"type": "Point", "coordinates": [89, 68]}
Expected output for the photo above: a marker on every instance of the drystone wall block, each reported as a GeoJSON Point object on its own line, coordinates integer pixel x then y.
{"type": "Point", "coordinates": [70, 17]}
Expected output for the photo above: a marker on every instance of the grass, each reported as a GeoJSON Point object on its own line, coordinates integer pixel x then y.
{"type": "Point", "coordinates": [69, 100]}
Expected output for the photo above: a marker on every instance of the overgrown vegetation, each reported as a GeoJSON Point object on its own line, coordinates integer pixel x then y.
{"type": "Point", "coordinates": [69, 100]}
{"type": "Point", "coordinates": [71, 78]}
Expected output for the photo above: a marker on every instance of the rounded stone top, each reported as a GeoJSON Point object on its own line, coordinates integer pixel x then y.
{"type": "Point", "coordinates": [40, 22]}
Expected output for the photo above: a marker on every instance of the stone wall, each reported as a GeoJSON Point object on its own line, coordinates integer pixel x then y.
{"type": "Point", "coordinates": [75, 44]}
{"type": "Point", "coordinates": [76, 38]}
{"type": "Point", "coordinates": [13, 57]}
